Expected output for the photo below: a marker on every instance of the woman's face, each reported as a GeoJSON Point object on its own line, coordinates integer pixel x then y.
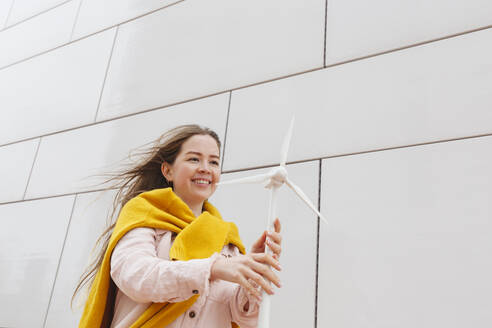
{"type": "Point", "coordinates": [196, 170]}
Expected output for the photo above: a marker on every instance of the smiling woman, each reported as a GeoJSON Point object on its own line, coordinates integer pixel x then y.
{"type": "Point", "coordinates": [170, 260]}
{"type": "Point", "coordinates": [195, 171]}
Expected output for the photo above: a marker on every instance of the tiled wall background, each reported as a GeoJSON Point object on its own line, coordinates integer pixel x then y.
{"type": "Point", "coordinates": [393, 139]}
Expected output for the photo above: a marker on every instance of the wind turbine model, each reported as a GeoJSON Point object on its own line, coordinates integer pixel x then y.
{"type": "Point", "coordinates": [275, 178]}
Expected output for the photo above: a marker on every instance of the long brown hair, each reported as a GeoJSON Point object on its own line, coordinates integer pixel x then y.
{"type": "Point", "coordinates": [142, 176]}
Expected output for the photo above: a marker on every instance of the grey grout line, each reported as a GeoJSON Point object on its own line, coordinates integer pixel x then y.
{"type": "Point", "coordinates": [317, 246]}
{"type": "Point", "coordinates": [413, 45]}
{"type": "Point", "coordinates": [324, 40]}
{"type": "Point", "coordinates": [264, 166]}
{"type": "Point", "coordinates": [86, 36]}
{"type": "Point", "coordinates": [266, 81]}
{"type": "Point", "coordinates": [38, 54]}
{"type": "Point", "coordinates": [8, 16]}
{"type": "Point", "coordinates": [32, 168]}
{"type": "Point", "coordinates": [59, 262]}
{"type": "Point", "coordinates": [31, 17]}
{"type": "Point", "coordinates": [233, 89]}
{"type": "Point", "coordinates": [324, 64]}
{"type": "Point", "coordinates": [358, 153]}
{"type": "Point", "coordinates": [75, 20]}
{"type": "Point", "coordinates": [276, 78]}
{"type": "Point", "coordinates": [227, 125]}
{"type": "Point", "coordinates": [106, 74]}
{"type": "Point", "coordinates": [151, 12]}
{"type": "Point", "coordinates": [272, 165]}
{"type": "Point", "coordinates": [54, 196]}
{"type": "Point", "coordinates": [113, 119]}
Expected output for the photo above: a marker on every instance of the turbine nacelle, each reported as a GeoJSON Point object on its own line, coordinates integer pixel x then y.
{"type": "Point", "coordinates": [278, 176]}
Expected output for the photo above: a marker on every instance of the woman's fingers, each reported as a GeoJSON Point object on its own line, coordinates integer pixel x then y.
{"type": "Point", "coordinates": [273, 239]}
{"type": "Point", "coordinates": [260, 242]}
{"type": "Point", "coordinates": [263, 269]}
{"type": "Point", "coordinates": [267, 259]}
{"type": "Point", "coordinates": [274, 247]}
{"type": "Point", "coordinates": [276, 225]}
{"type": "Point", "coordinates": [260, 281]}
{"type": "Point", "coordinates": [274, 236]}
{"type": "Point", "coordinates": [250, 271]}
{"type": "Point", "coordinates": [250, 288]}
{"type": "Point", "coordinates": [273, 242]}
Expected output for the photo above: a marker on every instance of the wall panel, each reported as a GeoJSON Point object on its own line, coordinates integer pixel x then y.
{"type": "Point", "coordinates": [358, 28]}
{"type": "Point", "coordinates": [31, 241]}
{"type": "Point", "coordinates": [409, 241]}
{"type": "Point", "coordinates": [87, 224]}
{"type": "Point", "coordinates": [4, 11]}
{"type": "Point", "coordinates": [55, 91]}
{"type": "Point", "coordinates": [66, 161]}
{"type": "Point", "coordinates": [38, 34]}
{"type": "Point", "coordinates": [220, 45]}
{"type": "Point", "coordinates": [16, 162]}
{"type": "Point", "coordinates": [433, 92]}
{"type": "Point", "coordinates": [23, 9]}
{"type": "Point", "coordinates": [97, 15]}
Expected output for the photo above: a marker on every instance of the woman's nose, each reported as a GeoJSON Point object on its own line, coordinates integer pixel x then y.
{"type": "Point", "coordinates": [204, 167]}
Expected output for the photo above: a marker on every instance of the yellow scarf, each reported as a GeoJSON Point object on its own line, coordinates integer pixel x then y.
{"type": "Point", "coordinates": [198, 238]}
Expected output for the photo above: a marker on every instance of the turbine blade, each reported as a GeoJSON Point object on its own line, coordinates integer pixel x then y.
{"type": "Point", "coordinates": [285, 146]}
{"type": "Point", "coordinates": [252, 179]}
{"type": "Point", "coordinates": [304, 197]}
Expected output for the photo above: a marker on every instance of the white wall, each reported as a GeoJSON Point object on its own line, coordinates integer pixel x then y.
{"type": "Point", "coordinates": [393, 105]}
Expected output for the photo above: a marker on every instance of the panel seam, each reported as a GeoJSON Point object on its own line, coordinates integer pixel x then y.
{"type": "Point", "coordinates": [32, 168]}
{"type": "Point", "coordinates": [317, 247]}
{"type": "Point", "coordinates": [31, 17]}
{"type": "Point", "coordinates": [261, 167]}
{"type": "Point", "coordinates": [268, 166]}
{"type": "Point", "coordinates": [75, 20]}
{"type": "Point", "coordinates": [226, 129]}
{"type": "Point", "coordinates": [245, 169]}
{"type": "Point", "coordinates": [55, 196]}
{"type": "Point", "coordinates": [360, 152]}
{"type": "Point", "coordinates": [8, 16]}
{"type": "Point", "coordinates": [106, 73]}
{"type": "Point", "coordinates": [413, 45]}
{"type": "Point", "coordinates": [59, 261]}
{"type": "Point", "coordinates": [324, 41]}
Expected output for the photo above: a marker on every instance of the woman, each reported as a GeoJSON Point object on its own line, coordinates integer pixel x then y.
{"type": "Point", "coordinates": [170, 260]}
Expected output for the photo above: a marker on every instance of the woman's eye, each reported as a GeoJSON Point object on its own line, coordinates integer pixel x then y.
{"type": "Point", "coordinates": [214, 162]}
{"type": "Point", "coordinates": [194, 159]}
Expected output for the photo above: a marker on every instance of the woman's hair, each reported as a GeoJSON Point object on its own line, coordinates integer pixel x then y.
{"type": "Point", "coordinates": [142, 176]}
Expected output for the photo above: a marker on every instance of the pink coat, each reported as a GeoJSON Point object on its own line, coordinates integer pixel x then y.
{"type": "Point", "coordinates": [141, 270]}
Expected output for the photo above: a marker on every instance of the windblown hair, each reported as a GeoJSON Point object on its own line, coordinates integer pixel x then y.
{"type": "Point", "coordinates": [142, 176]}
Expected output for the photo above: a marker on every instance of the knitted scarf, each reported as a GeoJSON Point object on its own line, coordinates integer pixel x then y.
{"type": "Point", "coordinates": [198, 237]}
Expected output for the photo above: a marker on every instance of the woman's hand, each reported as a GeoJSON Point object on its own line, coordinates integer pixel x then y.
{"type": "Point", "coordinates": [273, 241]}
{"type": "Point", "coordinates": [247, 270]}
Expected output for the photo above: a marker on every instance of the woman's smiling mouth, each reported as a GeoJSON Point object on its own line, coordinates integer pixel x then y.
{"type": "Point", "coordinates": [201, 181]}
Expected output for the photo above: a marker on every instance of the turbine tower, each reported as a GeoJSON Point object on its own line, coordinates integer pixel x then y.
{"type": "Point", "coordinates": [275, 179]}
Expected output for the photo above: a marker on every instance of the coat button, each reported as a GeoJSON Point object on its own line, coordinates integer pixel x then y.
{"type": "Point", "coordinates": [192, 314]}
{"type": "Point", "coordinates": [195, 291]}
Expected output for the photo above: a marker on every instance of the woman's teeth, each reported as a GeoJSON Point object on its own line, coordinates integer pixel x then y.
{"type": "Point", "coordinates": [201, 182]}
